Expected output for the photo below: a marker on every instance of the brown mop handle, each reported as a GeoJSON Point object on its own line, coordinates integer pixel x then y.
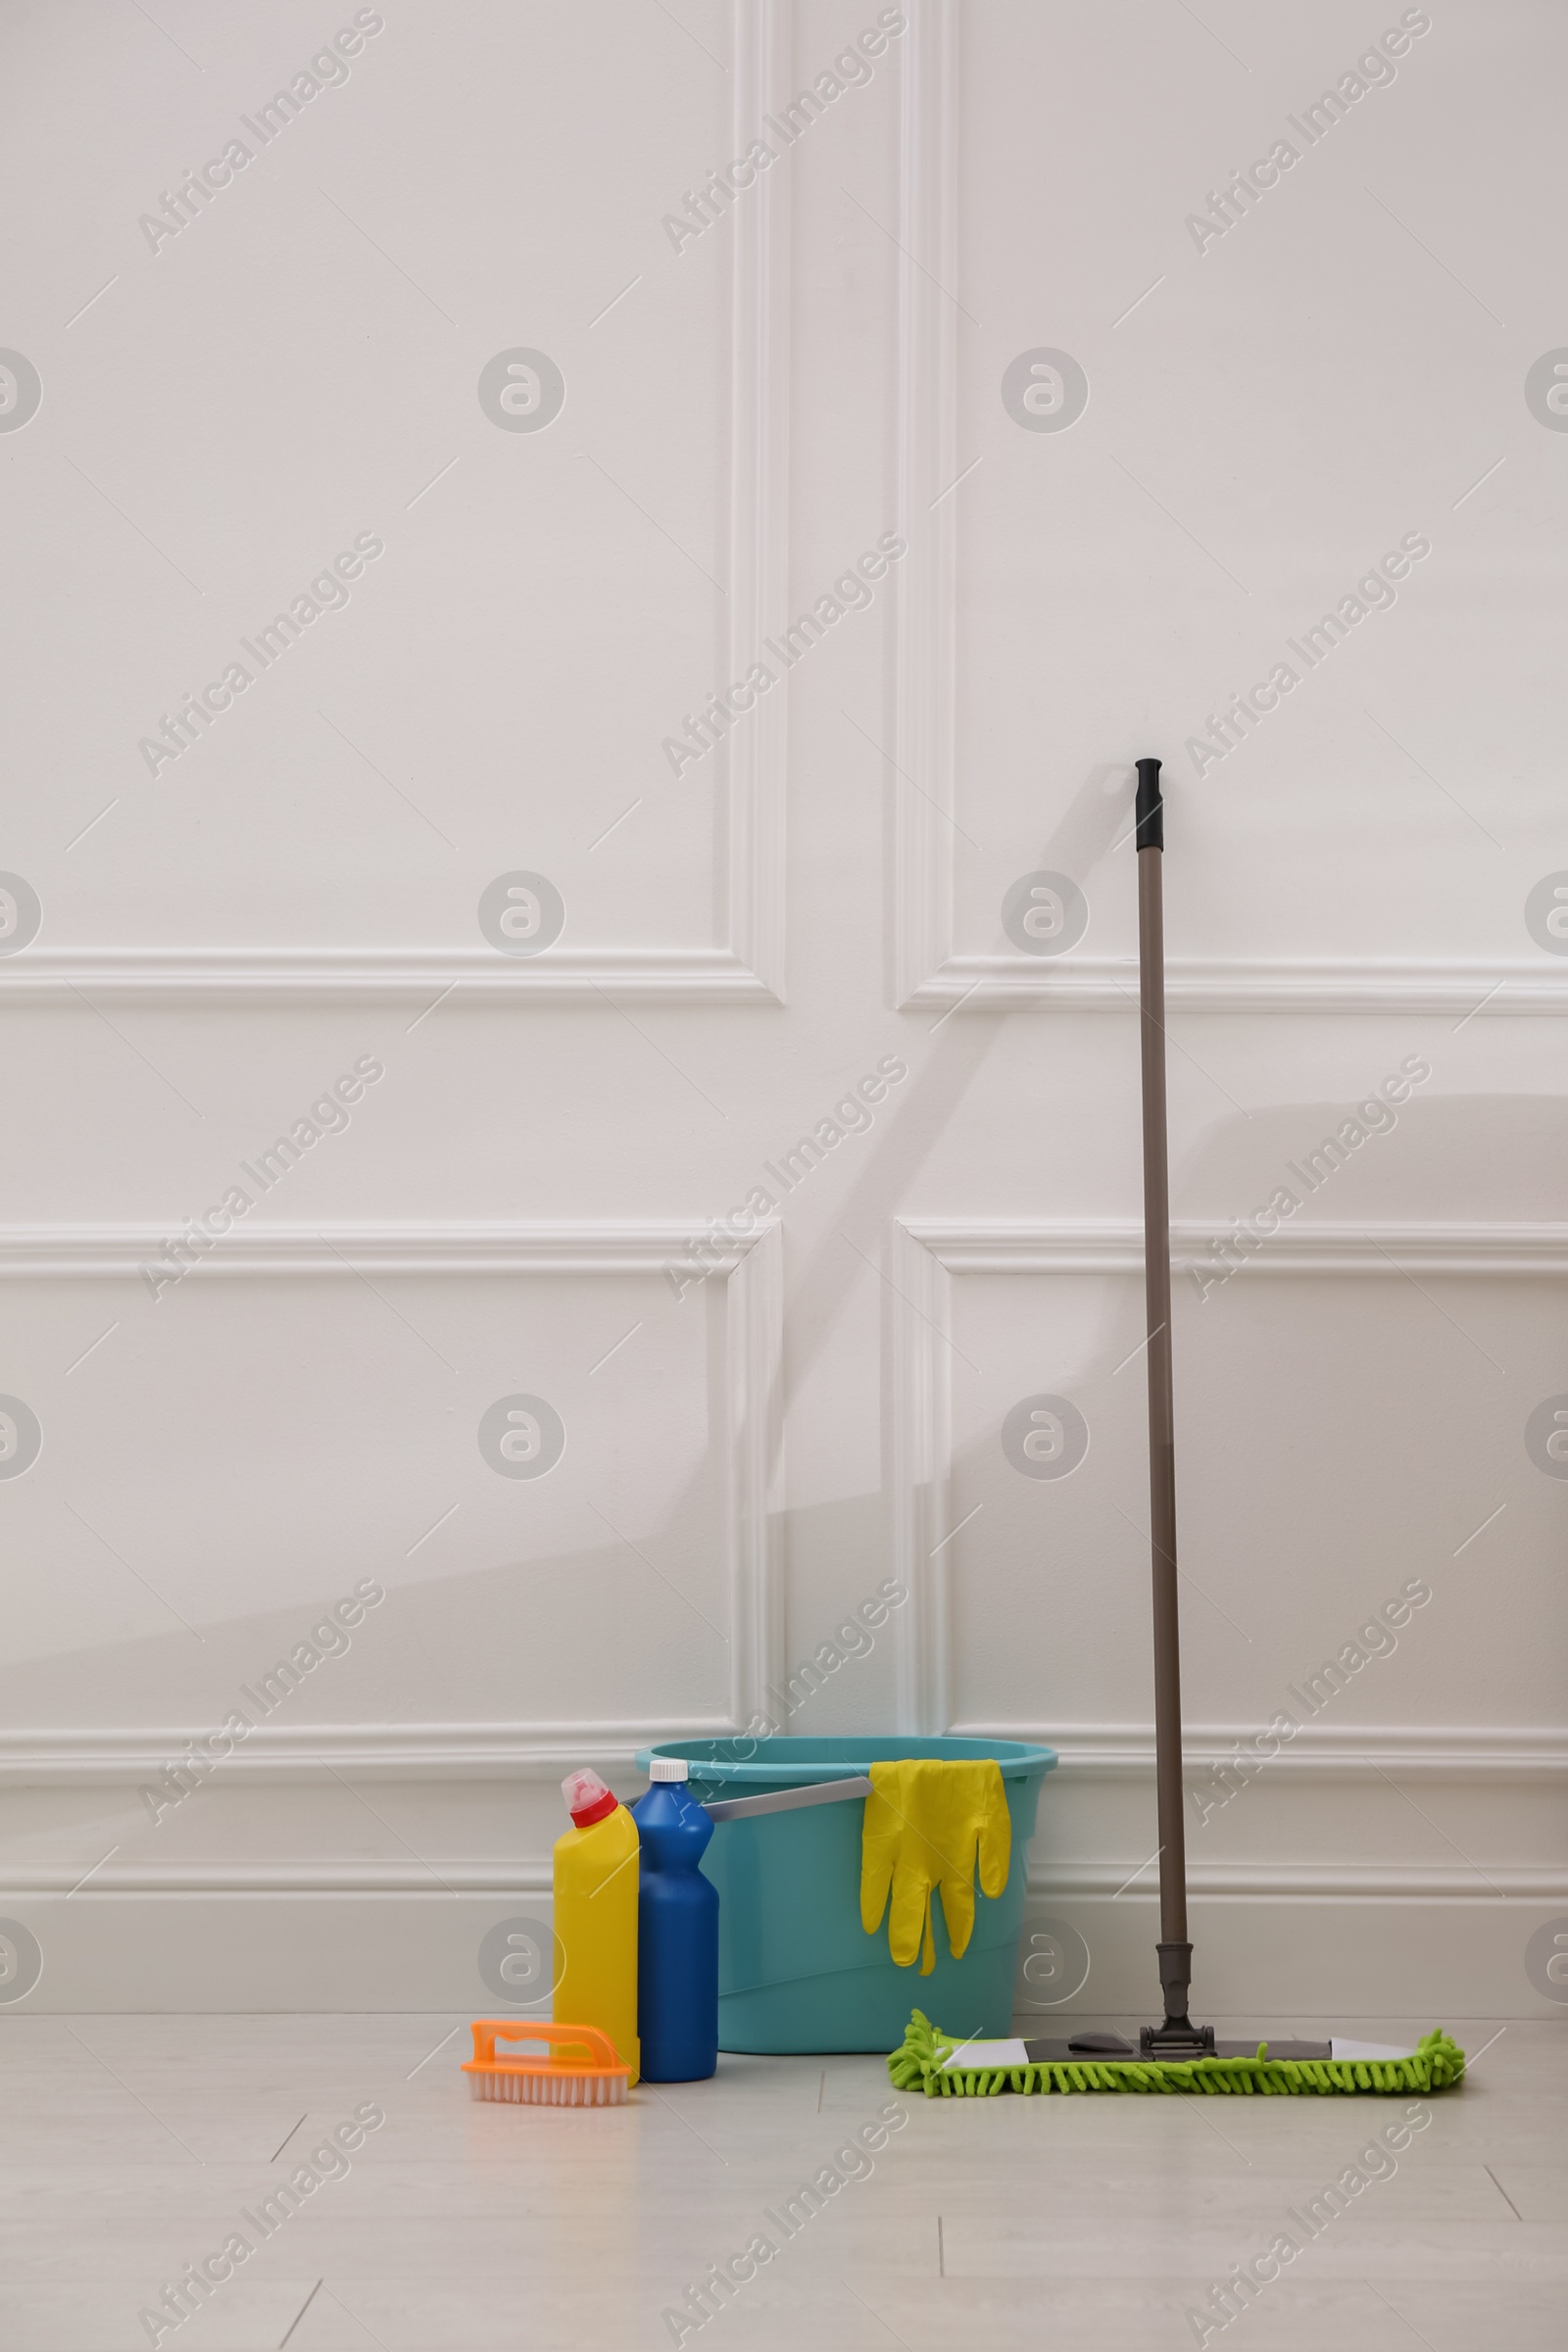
{"type": "Point", "coordinates": [1175, 1951]}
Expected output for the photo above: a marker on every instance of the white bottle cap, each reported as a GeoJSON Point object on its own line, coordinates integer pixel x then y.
{"type": "Point", "coordinates": [669, 1768]}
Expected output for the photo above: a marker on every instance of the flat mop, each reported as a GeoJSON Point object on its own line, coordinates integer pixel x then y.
{"type": "Point", "coordinates": [1176, 2055]}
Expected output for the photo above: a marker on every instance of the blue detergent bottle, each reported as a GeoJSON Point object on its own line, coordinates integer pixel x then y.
{"type": "Point", "coordinates": [677, 1931]}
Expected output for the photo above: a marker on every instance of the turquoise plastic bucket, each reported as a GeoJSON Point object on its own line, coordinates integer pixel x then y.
{"type": "Point", "coordinates": [797, 1972]}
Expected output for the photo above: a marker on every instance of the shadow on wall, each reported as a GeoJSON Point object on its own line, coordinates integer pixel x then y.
{"type": "Point", "coordinates": [1435, 1158]}
{"type": "Point", "coordinates": [88, 1686]}
{"type": "Point", "coordinates": [1452, 1160]}
{"type": "Point", "coordinates": [1429, 1159]}
{"type": "Point", "coordinates": [1330, 1443]}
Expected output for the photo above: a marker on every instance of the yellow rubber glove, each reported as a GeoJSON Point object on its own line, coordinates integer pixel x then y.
{"type": "Point", "coordinates": [925, 1822]}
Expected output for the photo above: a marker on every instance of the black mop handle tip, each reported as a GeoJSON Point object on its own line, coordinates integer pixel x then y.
{"type": "Point", "coordinates": [1151, 807]}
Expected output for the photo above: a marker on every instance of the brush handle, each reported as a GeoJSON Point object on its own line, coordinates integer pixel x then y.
{"type": "Point", "coordinates": [488, 2031]}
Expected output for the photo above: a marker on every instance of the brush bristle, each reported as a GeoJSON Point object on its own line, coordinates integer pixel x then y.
{"type": "Point", "coordinates": [551, 2090]}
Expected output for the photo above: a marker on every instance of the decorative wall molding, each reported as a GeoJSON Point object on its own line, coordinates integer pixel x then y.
{"type": "Point", "coordinates": [301, 1756]}
{"type": "Point", "coordinates": [384, 977]}
{"type": "Point", "coordinates": [757, 500]}
{"type": "Point", "coordinates": [977, 1245]}
{"type": "Point", "coordinates": [1372, 1883]}
{"type": "Point", "coordinates": [922, 1459]}
{"type": "Point", "coordinates": [465, 1246]}
{"type": "Point", "coordinates": [63, 1251]}
{"type": "Point", "coordinates": [927, 972]}
{"type": "Point", "coordinates": [1500, 1754]}
{"type": "Point", "coordinates": [350, 1881]}
{"type": "Point", "coordinates": [927, 464]}
{"type": "Point", "coordinates": [927, 1253]}
{"type": "Point", "coordinates": [531, 1877]}
{"type": "Point", "coordinates": [750, 1272]}
{"type": "Point", "coordinates": [754, 1470]}
{"type": "Point", "coordinates": [748, 967]}
{"type": "Point", "coordinates": [1194, 984]}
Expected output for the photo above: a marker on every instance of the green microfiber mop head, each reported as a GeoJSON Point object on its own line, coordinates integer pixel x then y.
{"type": "Point", "coordinates": [919, 2064]}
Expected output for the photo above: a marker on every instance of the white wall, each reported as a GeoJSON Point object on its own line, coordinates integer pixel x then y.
{"type": "Point", "coordinates": [1269, 411]}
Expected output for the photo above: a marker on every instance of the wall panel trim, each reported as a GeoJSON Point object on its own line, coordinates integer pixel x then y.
{"type": "Point", "coordinates": [1485, 1248]}
{"type": "Point", "coordinates": [925, 1256]}
{"type": "Point", "coordinates": [750, 1272]}
{"type": "Point", "coordinates": [748, 966]}
{"type": "Point", "coordinates": [927, 972]}
{"type": "Point", "coordinates": [1502, 1754]}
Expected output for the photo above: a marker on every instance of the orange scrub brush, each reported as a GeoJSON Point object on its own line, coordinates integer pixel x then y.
{"type": "Point", "coordinates": [579, 2070]}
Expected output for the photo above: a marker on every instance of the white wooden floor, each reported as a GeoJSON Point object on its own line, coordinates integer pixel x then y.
{"type": "Point", "coordinates": [129, 2148]}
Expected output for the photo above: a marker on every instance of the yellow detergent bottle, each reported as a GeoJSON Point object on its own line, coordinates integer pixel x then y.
{"type": "Point", "coordinates": [596, 1880]}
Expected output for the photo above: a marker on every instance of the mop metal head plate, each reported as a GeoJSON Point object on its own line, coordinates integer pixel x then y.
{"type": "Point", "coordinates": [934, 2062]}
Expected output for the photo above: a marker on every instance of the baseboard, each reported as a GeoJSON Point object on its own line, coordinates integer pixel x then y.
{"type": "Point", "coordinates": [1319, 1951]}
{"type": "Point", "coordinates": [1413, 1956]}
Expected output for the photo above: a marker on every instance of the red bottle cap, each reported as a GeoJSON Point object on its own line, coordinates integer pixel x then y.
{"type": "Point", "coordinates": [587, 1799]}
